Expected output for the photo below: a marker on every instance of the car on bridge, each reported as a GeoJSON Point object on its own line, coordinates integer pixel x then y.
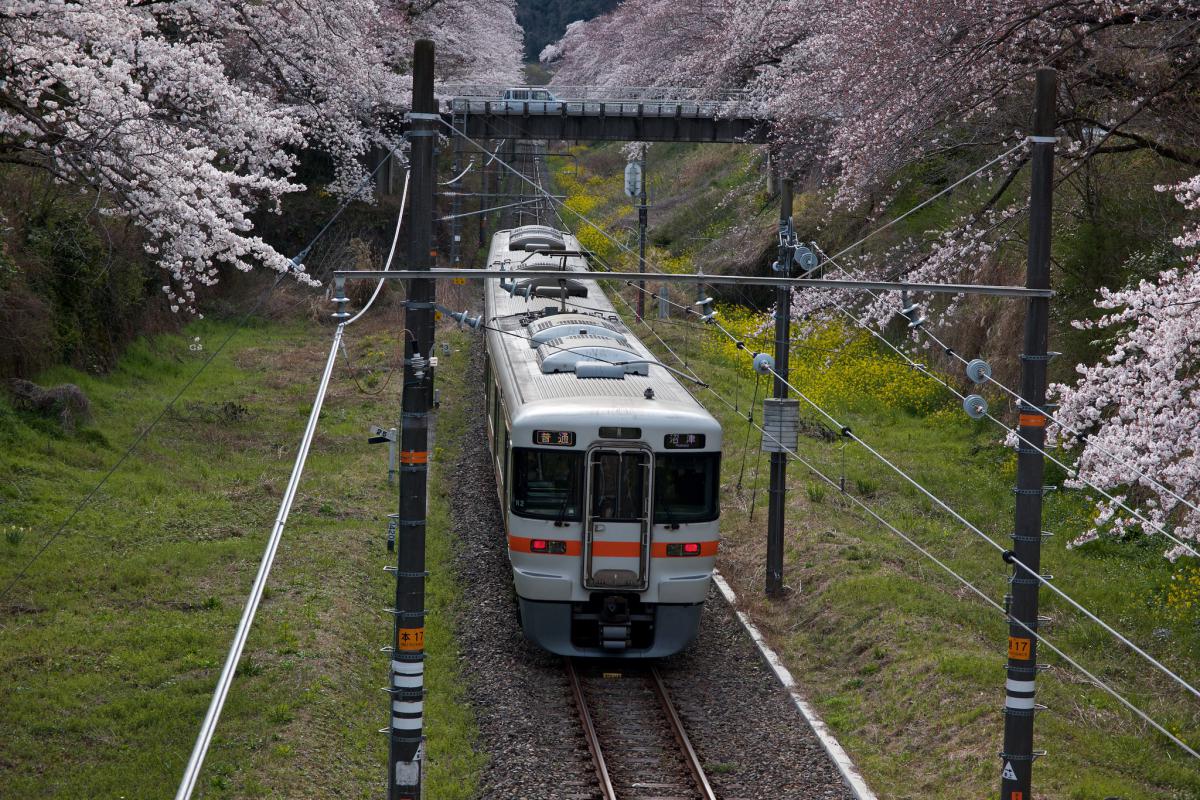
{"type": "Point", "coordinates": [531, 100]}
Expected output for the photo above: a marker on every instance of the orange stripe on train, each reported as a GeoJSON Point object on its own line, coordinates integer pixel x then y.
{"type": "Point", "coordinates": [523, 544]}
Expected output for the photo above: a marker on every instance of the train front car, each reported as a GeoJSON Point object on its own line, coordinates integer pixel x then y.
{"type": "Point", "coordinates": [608, 469]}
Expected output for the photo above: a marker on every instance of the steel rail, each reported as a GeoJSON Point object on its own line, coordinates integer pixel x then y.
{"type": "Point", "coordinates": [589, 732]}
{"type": "Point", "coordinates": [742, 280]}
{"type": "Point", "coordinates": [685, 744]}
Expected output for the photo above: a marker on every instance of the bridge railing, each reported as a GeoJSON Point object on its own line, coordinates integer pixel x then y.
{"type": "Point", "coordinates": [657, 101]}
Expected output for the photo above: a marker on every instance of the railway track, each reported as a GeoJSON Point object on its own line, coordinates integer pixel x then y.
{"type": "Point", "coordinates": [638, 745]}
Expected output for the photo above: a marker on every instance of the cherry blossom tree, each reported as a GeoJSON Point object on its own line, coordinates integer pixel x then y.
{"type": "Point", "coordinates": [187, 115]}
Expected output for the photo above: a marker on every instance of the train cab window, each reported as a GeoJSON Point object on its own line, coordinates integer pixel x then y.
{"type": "Point", "coordinates": [546, 483]}
{"type": "Point", "coordinates": [685, 487]}
{"type": "Point", "coordinates": [618, 486]}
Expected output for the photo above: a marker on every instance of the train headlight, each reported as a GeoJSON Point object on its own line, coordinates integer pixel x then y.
{"type": "Point", "coordinates": [547, 546]}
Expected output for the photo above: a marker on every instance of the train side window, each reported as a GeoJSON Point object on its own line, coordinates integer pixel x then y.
{"type": "Point", "coordinates": [504, 468]}
{"type": "Point", "coordinates": [490, 402]}
{"type": "Point", "coordinates": [497, 420]}
{"type": "Point", "coordinates": [487, 378]}
{"type": "Point", "coordinates": [686, 487]}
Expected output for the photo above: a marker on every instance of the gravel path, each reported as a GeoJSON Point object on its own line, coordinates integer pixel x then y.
{"type": "Point", "coordinates": [754, 743]}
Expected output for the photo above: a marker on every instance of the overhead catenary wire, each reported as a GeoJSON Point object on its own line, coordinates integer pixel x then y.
{"type": "Point", "coordinates": [488, 210]}
{"type": "Point", "coordinates": [241, 323]}
{"type": "Point", "coordinates": [459, 176]}
{"type": "Point", "coordinates": [387, 266]}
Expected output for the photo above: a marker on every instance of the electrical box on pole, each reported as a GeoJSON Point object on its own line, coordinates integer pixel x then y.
{"type": "Point", "coordinates": [1016, 773]}
{"type": "Point", "coordinates": [777, 497]}
{"type": "Point", "coordinates": [406, 689]}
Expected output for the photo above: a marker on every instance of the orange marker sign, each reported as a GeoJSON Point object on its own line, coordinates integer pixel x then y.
{"type": "Point", "coordinates": [410, 639]}
{"type": "Point", "coordinates": [1019, 648]}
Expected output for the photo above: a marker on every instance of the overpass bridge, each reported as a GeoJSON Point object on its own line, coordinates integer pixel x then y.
{"type": "Point", "coordinates": [586, 113]}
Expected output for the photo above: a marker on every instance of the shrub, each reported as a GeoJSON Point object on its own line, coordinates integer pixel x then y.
{"type": "Point", "coordinates": [67, 403]}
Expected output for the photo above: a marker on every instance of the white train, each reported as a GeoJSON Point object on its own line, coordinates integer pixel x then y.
{"type": "Point", "coordinates": [608, 470]}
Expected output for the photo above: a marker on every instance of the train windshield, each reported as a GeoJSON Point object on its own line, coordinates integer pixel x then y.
{"type": "Point", "coordinates": [685, 487]}
{"type": "Point", "coordinates": [546, 483]}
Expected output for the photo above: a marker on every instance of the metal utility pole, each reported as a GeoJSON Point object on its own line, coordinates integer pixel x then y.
{"type": "Point", "coordinates": [456, 224]}
{"type": "Point", "coordinates": [1019, 708]}
{"type": "Point", "coordinates": [506, 181]}
{"type": "Point", "coordinates": [483, 188]}
{"type": "Point", "coordinates": [407, 686]}
{"type": "Point", "coordinates": [641, 312]}
{"type": "Point", "coordinates": [777, 507]}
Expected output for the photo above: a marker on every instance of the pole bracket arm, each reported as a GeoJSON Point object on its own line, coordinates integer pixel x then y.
{"type": "Point", "coordinates": [1034, 756]}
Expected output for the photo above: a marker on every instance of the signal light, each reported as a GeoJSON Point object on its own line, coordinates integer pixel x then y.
{"type": "Point", "coordinates": [685, 549]}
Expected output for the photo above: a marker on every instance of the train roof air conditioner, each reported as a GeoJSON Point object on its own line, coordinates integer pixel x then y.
{"type": "Point", "coordinates": [562, 325]}
{"type": "Point", "coordinates": [590, 357]}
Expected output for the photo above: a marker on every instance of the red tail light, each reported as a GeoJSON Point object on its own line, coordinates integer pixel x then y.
{"type": "Point", "coordinates": [554, 548]}
{"type": "Point", "coordinates": [539, 546]}
{"type": "Point", "coordinates": [691, 549]}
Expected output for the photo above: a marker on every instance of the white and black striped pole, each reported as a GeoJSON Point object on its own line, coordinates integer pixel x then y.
{"type": "Point", "coordinates": [407, 686]}
{"type": "Point", "coordinates": [1019, 703]}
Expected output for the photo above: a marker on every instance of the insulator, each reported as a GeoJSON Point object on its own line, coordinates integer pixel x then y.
{"type": "Point", "coordinates": [804, 258]}
{"type": "Point", "coordinates": [764, 364]}
{"type": "Point", "coordinates": [975, 406]}
{"type": "Point", "coordinates": [979, 370]}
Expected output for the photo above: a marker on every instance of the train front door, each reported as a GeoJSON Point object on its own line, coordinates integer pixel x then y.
{"type": "Point", "coordinates": [617, 526]}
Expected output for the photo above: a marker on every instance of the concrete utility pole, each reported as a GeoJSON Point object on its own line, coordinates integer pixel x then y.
{"type": "Point", "coordinates": [1019, 707]}
{"type": "Point", "coordinates": [407, 686]}
{"type": "Point", "coordinates": [777, 508]}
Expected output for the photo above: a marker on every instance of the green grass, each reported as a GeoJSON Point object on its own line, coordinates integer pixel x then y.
{"type": "Point", "coordinates": [111, 644]}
